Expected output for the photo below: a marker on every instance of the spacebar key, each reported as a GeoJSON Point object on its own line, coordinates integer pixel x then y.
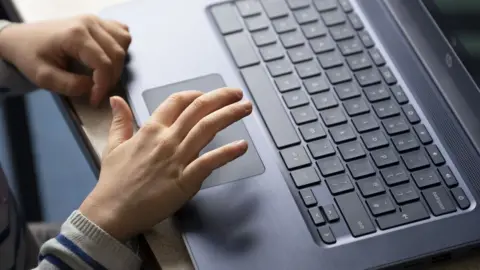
{"type": "Point", "coordinates": [270, 107]}
{"type": "Point", "coordinates": [355, 215]}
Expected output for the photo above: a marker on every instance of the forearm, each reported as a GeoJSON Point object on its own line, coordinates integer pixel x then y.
{"type": "Point", "coordinates": [83, 245]}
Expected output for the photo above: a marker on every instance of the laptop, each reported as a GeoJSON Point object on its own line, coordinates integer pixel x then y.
{"type": "Point", "coordinates": [365, 133]}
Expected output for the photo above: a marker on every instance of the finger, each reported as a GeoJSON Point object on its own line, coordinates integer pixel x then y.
{"type": "Point", "coordinates": [120, 24]}
{"type": "Point", "coordinates": [119, 32]}
{"type": "Point", "coordinates": [50, 77]}
{"type": "Point", "coordinates": [173, 106]}
{"type": "Point", "coordinates": [121, 128]}
{"type": "Point", "coordinates": [202, 106]}
{"type": "Point", "coordinates": [206, 129]}
{"type": "Point", "coordinates": [197, 171]}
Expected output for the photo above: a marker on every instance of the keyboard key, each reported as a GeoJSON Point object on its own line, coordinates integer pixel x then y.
{"type": "Point", "coordinates": [322, 44]}
{"type": "Point", "coordinates": [404, 194]}
{"type": "Point", "coordinates": [330, 59]}
{"type": "Point", "coordinates": [279, 67]}
{"type": "Point", "coordinates": [355, 214]}
{"type": "Point", "coordinates": [435, 155]}
{"type": "Point", "coordinates": [264, 37]}
{"type": "Point", "coordinates": [316, 84]}
{"type": "Point", "coordinates": [275, 8]}
{"type": "Point", "coordinates": [285, 24]}
{"type": "Point", "coordinates": [313, 30]}
{"type": "Point", "coordinates": [380, 205]}
{"type": "Point", "coordinates": [394, 175]}
{"type": "Point", "coordinates": [226, 18]}
{"type": "Point", "coordinates": [364, 123]}
{"type": "Point", "coordinates": [366, 39]}
{"type": "Point", "coordinates": [367, 77]}
{"type": "Point", "coordinates": [305, 177]}
{"type": "Point", "coordinates": [316, 216]}
{"type": "Point", "coordinates": [423, 134]}
{"type": "Point", "coordinates": [411, 114]}
{"type": "Point", "coordinates": [350, 46]}
{"type": "Point", "coordinates": [415, 160]}
{"type": "Point", "coordinates": [370, 186]}
{"type": "Point", "coordinates": [355, 106]}
{"type": "Point", "coordinates": [330, 166]}
{"type": "Point", "coordinates": [460, 197]}
{"type": "Point", "coordinates": [347, 90]}
{"type": "Point", "coordinates": [358, 61]}
{"type": "Point", "coordinates": [256, 23]}
{"type": "Point", "coordinates": [355, 21]}
{"type": "Point", "coordinates": [376, 92]}
{"type": "Point", "coordinates": [410, 213]}
{"type": "Point", "coordinates": [273, 113]}
{"type": "Point", "coordinates": [324, 5]}
{"type": "Point", "coordinates": [334, 17]}
{"type": "Point", "coordinates": [386, 109]}
{"type": "Point", "coordinates": [308, 69]}
{"type": "Point", "coordinates": [338, 75]}
{"type": "Point", "coordinates": [308, 197]}
{"type": "Point", "coordinates": [296, 4]}
{"type": "Point", "coordinates": [324, 101]}
{"type": "Point", "coordinates": [339, 184]}
{"type": "Point", "coordinates": [242, 49]}
{"type": "Point", "coordinates": [405, 142]}
{"type": "Point", "coordinates": [303, 115]}
{"type": "Point", "coordinates": [399, 94]}
{"type": "Point", "coordinates": [321, 148]}
{"type": "Point", "coordinates": [360, 168]}
{"type": "Point", "coordinates": [271, 52]}
{"type": "Point", "coordinates": [342, 133]}
{"type": "Point", "coordinates": [292, 39]}
{"type": "Point", "coordinates": [374, 140]}
{"type": "Point", "coordinates": [295, 157]}
{"type": "Point", "coordinates": [295, 99]}
{"type": "Point", "coordinates": [332, 117]}
{"type": "Point", "coordinates": [312, 131]}
{"type": "Point", "coordinates": [351, 151]}
{"type": "Point", "coordinates": [341, 32]}
{"type": "Point", "coordinates": [305, 15]}
{"type": "Point", "coordinates": [249, 8]}
{"type": "Point", "coordinates": [300, 54]}
{"type": "Point", "coordinates": [395, 125]}
{"type": "Point", "coordinates": [438, 201]}
{"type": "Point", "coordinates": [330, 212]}
{"type": "Point", "coordinates": [287, 83]}
{"type": "Point", "coordinates": [384, 157]}
{"type": "Point", "coordinates": [346, 6]}
{"type": "Point", "coordinates": [376, 57]}
{"type": "Point", "coordinates": [426, 178]}
{"type": "Point", "coordinates": [326, 235]}
{"type": "Point", "coordinates": [447, 176]}
{"type": "Point", "coordinates": [388, 75]}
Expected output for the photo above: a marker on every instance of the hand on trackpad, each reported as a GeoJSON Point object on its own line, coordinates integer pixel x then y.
{"type": "Point", "coordinates": [246, 166]}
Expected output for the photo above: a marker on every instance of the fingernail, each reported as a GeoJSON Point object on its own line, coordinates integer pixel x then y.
{"type": "Point", "coordinates": [239, 93]}
{"type": "Point", "coordinates": [247, 105]}
{"type": "Point", "coordinates": [241, 142]}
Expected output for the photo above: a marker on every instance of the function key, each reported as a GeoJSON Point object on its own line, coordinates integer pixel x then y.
{"type": "Point", "coordinates": [426, 178]}
{"type": "Point", "coordinates": [271, 52]}
{"type": "Point", "coordinates": [370, 186]}
{"type": "Point", "coordinates": [365, 123]}
{"type": "Point", "coordinates": [275, 8]}
{"type": "Point", "coordinates": [399, 94]}
{"type": "Point", "coordinates": [360, 168]}
{"type": "Point", "coordinates": [295, 99]}
{"type": "Point", "coordinates": [394, 175]}
{"type": "Point", "coordinates": [346, 6]}
{"type": "Point", "coordinates": [308, 197]}
{"type": "Point", "coordinates": [439, 201]}
{"type": "Point", "coordinates": [330, 212]}
{"type": "Point", "coordinates": [447, 176]}
{"type": "Point", "coordinates": [295, 157]}
{"type": "Point", "coordinates": [306, 177]}
{"type": "Point", "coordinates": [316, 216]}
{"type": "Point", "coordinates": [303, 115]}
{"type": "Point", "coordinates": [415, 160]}
{"type": "Point", "coordinates": [249, 8]}
{"type": "Point", "coordinates": [313, 30]}
{"type": "Point", "coordinates": [460, 198]}
{"type": "Point", "coordinates": [295, 4]}
{"type": "Point", "coordinates": [374, 140]}
{"type": "Point", "coordinates": [405, 142]}
{"type": "Point", "coordinates": [256, 23]}
{"type": "Point", "coordinates": [411, 114]}
{"type": "Point", "coordinates": [326, 235]}
{"type": "Point", "coordinates": [376, 92]}
{"type": "Point", "coordinates": [305, 15]}
{"type": "Point", "coordinates": [324, 5]}
{"type": "Point", "coordinates": [368, 77]}
{"type": "Point", "coordinates": [347, 90]}
{"type": "Point", "coordinates": [423, 134]}
{"type": "Point", "coordinates": [359, 61]}
{"type": "Point", "coordinates": [366, 39]}
{"type": "Point", "coordinates": [287, 83]}
{"type": "Point", "coordinates": [334, 17]}
{"type": "Point", "coordinates": [312, 131]}
{"type": "Point", "coordinates": [226, 18]}
{"type": "Point", "coordinates": [386, 109]}
{"type": "Point", "coordinates": [435, 155]}
{"type": "Point", "coordinates": [330, 166]}
{"type": "Point", "coordinates": [355, 21]}
{"type": "Point", "coordinates": [339, 184]}
{"type": "Point", "coordinates": [316, 84]}
{"type": "Point", "coordinates": [380, 205]}
{"type": "Point", "coordinates": [404, 193]}
{"type": "Point", "coordinates": [285, 24]}
{"type": "Point", "coordinates": [376, 57]}
{"type": "Point", "coordinates": [321, 148]}
{"type": "Point", "coordinates": [395, 125]}
{"type": "Point", "coordinates": [341, 32]}
{"type": "Point", "coordinates": [322, 44]}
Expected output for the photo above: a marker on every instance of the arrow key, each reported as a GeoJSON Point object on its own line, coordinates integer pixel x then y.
{"type": "Point", "coordinates": [326, 235]}
{"type": "Point", "coordinates": [409, 213]}
{"type": "Point", "coordinates": [330, 212]}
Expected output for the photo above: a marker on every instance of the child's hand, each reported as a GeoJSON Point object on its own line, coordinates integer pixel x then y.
{"type": "Point", "coordinates": [42, 52]}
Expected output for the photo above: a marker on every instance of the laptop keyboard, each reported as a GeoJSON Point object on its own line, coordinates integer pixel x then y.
{"type": "Point", "coordinates": [337, 115]}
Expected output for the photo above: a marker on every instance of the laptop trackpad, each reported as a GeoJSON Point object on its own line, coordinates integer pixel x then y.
{"type": "Point", "coordinates": [243, 167]}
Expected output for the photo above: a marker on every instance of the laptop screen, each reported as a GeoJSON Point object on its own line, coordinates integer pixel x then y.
{"type": "Point", "coordinates": [459, 20]}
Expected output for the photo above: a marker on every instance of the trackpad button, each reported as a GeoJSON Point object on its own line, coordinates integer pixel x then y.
{"type": "Point", "coordinates": [246, 166]}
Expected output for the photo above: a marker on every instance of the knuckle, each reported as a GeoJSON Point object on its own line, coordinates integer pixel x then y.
{"type": "Point", "coordinates": [89, 19]}
{"type": "Point", "coordinates": [77, 30]}
{"type": "Point", "coordinates": [177, 98]}
{"type": "Point", "coordinates": [119, 53]}
{"type": "Point", "coordinates": [151, 128]}
{"type": "Point", "coordinates": [127, 38]}
{"type": "Point", "coordinates": [199, 103]}
{"type": "Point", "coordinates": [43, 75]}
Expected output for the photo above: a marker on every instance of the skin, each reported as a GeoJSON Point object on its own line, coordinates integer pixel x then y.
{"type": "Point", "coordinates": [146, 176]}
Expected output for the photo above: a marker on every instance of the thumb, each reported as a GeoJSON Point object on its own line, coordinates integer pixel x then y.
{"type": "Point", "coordinates": [122, 124]}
